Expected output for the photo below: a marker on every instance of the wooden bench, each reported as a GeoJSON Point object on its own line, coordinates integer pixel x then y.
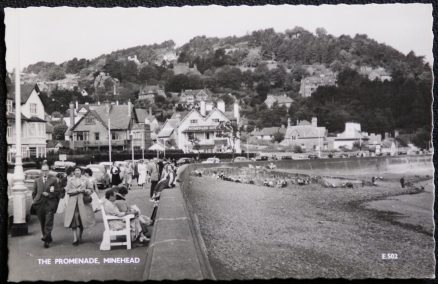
{"type": "Point", "coordinates": [109, 236]}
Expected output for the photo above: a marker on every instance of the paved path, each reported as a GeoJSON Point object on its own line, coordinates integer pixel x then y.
{"type": "Point", "coordinates": [25, 251]}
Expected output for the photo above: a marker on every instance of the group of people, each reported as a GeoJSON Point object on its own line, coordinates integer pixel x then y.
{"type": "Point", "coordinates": [76, 195]}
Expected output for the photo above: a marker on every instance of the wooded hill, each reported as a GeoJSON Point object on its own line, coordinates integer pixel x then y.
{"type": "Point", "coordinates": [262, 62]}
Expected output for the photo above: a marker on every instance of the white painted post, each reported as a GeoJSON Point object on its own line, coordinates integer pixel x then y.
{"type": "Point", "coordinates": [19, 226]}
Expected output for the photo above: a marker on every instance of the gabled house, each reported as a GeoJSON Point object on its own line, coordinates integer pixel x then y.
{"type": "Point", "coordinates": [310, 84]}
{"type": "Point", "coordinates": [268, 133]}
{"type": "Point", "coordinates": [191, 98]}
{"type": "Point", "coordinates": [148, 93]}
{"type": "Point", "coordinates": [307, 135]}
{"type": "Point", "coordinates": [196, 130]}
{"type": "Point", "coordinates": [147, 118]}
{"type": "Point", "coordinates": [281, 100]}
{"type": "Point", "coordinates": [91, 131]}
{"type": "Point", "coordinates": [33, 123]}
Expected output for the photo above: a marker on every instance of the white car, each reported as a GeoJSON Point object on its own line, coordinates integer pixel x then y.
{"type": "Point", "coordinates": [211, 161]}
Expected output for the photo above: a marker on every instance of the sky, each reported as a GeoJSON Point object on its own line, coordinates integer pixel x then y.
{"type": "Point", "coordinates": [62, 33]}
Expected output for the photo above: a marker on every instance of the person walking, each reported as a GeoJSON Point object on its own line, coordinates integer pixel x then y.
{"type": "Point", "coordinates": [92, 185]}
{"type": "Point", "coordinates": [46, 194]}
{"type": "Point", "coordinates": [79, 213]}
{"type": "Point", "coordinates": [128, 175]}
{"type": "Point", "coordinates": [142, 173]}
{"type": "Point", "coordinates": [115, 175]}
{"type": "Point", "coordinates": [154, 175]}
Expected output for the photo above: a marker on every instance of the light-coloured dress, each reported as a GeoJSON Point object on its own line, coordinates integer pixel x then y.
{"type": "Point", "coordinates": [115, 225]}
{"type": "Point", "coordinates": [77, 213]}
{"type": "Point", "coordinates": [141, 173]}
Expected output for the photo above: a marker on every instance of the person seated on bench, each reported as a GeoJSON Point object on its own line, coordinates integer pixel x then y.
{"type": "Point", "coordinates": [111, 209]}
{"type": "Point", "coordinates": [123, 206]}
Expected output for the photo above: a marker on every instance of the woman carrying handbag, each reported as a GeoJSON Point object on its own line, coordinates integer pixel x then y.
{"type": "Point", "coordinates": [79, 213]}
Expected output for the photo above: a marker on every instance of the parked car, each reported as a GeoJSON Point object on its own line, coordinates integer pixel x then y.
{"type": "Point", "coordinates": [261, 158]}
{"type": "Point", "coordinates": [107, 166]}
{"type": "Point", "coordinates": [211, 161]}
{"type": "Point", "coordinates": [241, 159]}
{"type": "Point", "coordinates": [62, 165]}
{"type": "Point", "coordinates": [312, 156]}
{"type": "Point", "coordinates": [286, 158]}
{"type": "Point", "coordinates": [29, 178]}
{"type": "Point", "coordinates": [100, 175]}
{"type": "Point", "coordinates": [183, 161]}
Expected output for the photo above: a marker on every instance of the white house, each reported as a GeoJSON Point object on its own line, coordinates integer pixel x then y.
{"type": "Point", "coordinates": [33, 124]}
{"type": "Point", "coordinates": [196, 130]}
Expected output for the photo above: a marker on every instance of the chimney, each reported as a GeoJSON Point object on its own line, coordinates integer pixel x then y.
{"type": "Point", "coordinates": [150, 110]}
{"type": "Point", "coordinates": [203, 112]}
{"type": "Point", "coordinates": [288, 121]}
{"type": "Point", "coordinates": [129, 108]}
{"type": "Point", "coordinates": [314, 121]}
{"type": "Point", "coordinates": [221, 105]}
{"type": "Point", "coordinates": [72, 115]}
{"type": "Point", "coordinates": [236, 112]}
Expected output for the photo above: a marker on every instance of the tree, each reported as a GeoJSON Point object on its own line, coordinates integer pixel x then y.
{"type": "Point", "coordinates": [422, 138]}
{"type": "Point", "coordinates": [230, 130]}
{"type": "Point", "coordinates": [278, 137]}
{"type": "Point", "coordinates": [59, 131]}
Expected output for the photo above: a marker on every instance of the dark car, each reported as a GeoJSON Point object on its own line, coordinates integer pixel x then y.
{"type": "Point", "coordinates": [286, 158]}
{"type": "Point", "coordinates": [184, 161]}
{"type": "Point", "coordinates": [262, 158]}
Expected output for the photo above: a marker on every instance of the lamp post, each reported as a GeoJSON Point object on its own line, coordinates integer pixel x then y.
{"type": "Point", "coordinates": [109, 131]}
{"type": "Point", "coordinates": [19, 226]}
{"type": "Point", "coordinates": [132, 146]}
{"type": "Point", "coordinates": [142, 144]}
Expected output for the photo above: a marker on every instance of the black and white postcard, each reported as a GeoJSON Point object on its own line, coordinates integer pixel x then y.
{"type": "Point", "coordinates": [220, 142]}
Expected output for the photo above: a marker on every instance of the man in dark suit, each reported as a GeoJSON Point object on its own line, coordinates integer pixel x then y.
{"type": "Point", "coordinates": [46, 194]}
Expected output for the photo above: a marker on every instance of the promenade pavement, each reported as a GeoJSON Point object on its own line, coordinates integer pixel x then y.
{"type": "Point", "coordinates": [25, 251]}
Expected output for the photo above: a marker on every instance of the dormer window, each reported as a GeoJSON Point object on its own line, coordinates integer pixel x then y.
{"type": "Point", "coordinates": [216, 120]}
{"type": "Point", "coordinates": [193, 121]}
{"type": "Point", "coordinates": [33, 108]}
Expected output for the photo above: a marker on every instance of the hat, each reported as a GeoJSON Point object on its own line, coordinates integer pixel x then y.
{"type": "Point", "coordinates": [44, 167]}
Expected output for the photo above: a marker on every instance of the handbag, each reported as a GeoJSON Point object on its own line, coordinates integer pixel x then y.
{"type": "Point", "coordinates": [87, 199]}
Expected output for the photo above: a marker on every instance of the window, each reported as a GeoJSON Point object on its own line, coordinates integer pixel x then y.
{"type": "Point", "coordinates": [115, 136]}
{"type": "Point", "coordinates": [193, 121]}
{"type": "Point", "coordinates": [9, 106]}
{"type": "Point", "coordinates": [89, 120]}
{"type": "Point", "coordinates": [207, 136]}
{"type": "Point", "coordinates": [33, 108]}
{"type": "Point", "coordinates": [215, 119]}
{"type": "Point", "coordinates": [96, 136]}
{"type": "Point", "coordinates": [9, 131]}
{"type": "Point", "coordinates": [81, 136]}
{"type": "Point", "coordinates": [32, 152]}
{"type": "Point", "coordinates": [31, 129]}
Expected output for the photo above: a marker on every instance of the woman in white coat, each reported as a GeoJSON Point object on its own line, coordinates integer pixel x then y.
{"type": "Point", "coordinates": [141, 173]}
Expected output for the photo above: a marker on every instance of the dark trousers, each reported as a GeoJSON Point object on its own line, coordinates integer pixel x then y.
{"type": "Point", "coordinates": [45, 216]}
{"type": "Point", "coordinates": [153, 185]}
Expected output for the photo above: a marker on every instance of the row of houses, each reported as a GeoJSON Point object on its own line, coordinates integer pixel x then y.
{"type": "Point", "coordinates": [311, 137]}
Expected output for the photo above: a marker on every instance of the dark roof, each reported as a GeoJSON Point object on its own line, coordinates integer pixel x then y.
{"type": "Point", "coordinates": [49, 128]}
{"type": "Point", "coordinates": [268, 131]}
{"type": "Point", "coordinates": [26, 90]}
{"type": "Point", "coordinates": [11, 116]}
{"type": "Point", "coordinates": [118, 115]}
{"type": "Point", "coordinates": [142, 114]}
